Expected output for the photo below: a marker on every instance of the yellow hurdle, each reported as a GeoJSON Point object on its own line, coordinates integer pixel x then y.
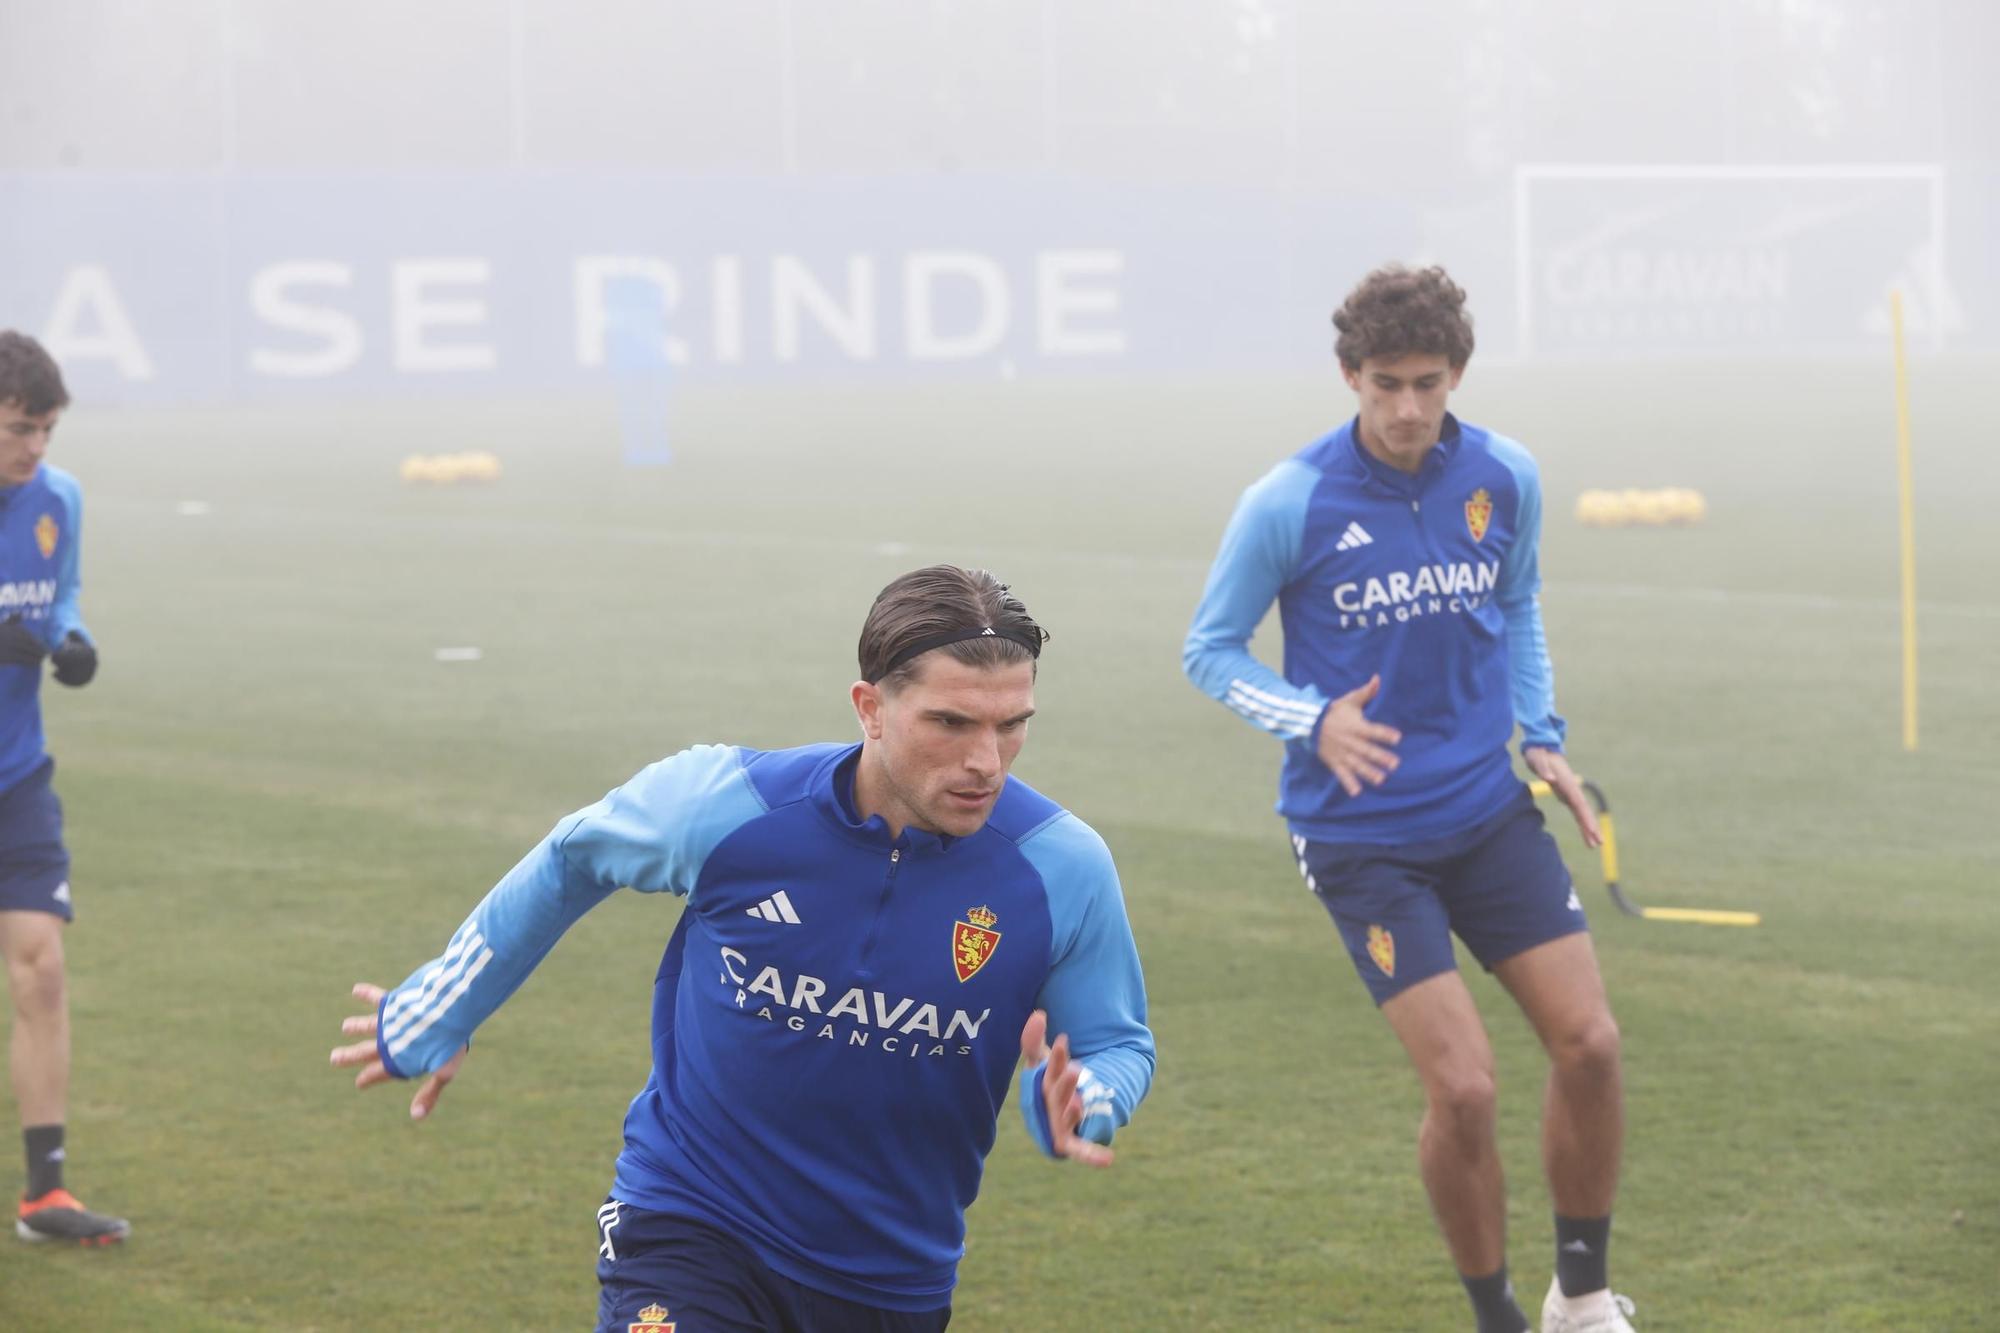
{"type": "Point", "coordinates": [1700, 916]}
{"type": "Point", "coordinates": [1607, 855]}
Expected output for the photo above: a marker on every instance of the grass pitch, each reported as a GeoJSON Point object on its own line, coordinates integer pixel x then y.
{"type": "Point", "coordinates": [274, 789]}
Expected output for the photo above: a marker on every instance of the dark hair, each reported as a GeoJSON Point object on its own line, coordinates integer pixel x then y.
{"type": "Point", "coordinates": [1397, 311]}
{"type": "Point", "coordinates": [941, 599]}
{"type": "Point", "coordinates": [29, 375]}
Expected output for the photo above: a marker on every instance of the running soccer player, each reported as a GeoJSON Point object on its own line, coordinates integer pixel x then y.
{"type": "Point", "coordinates": [40, 508]}
{"type": "Point", "coordinates": [1401, 551]}
{"type": "Point", "coordinates": [872, 933]}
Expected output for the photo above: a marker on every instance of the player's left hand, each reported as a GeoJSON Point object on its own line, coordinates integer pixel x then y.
{"type": "Point", "coordinates": [1059, 1095]}
{"type": "Point", "coordinates": [75, 660]}
{"type": "Point", "coordinates": [363, 1053]}
{"type": "Point", "coordinates": [1552, 768]}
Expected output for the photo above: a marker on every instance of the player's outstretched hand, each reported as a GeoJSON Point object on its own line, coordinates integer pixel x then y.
{"type": "Point", "coordinates": [75, 660]}
{"type": "Point", "coordinates": [1059, 1095]}
{"type": "Point", "coordinates": [1356, 749]}
{"type": "Point", "coordinates": [1552, 768]}
{"type": "Point", "coordinates": [363, 1053]}
{"type": "Point", "coordinates": [19, 645]}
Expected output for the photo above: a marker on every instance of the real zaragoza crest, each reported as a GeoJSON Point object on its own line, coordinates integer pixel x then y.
{"type": "Point", "coordinates": [1478, 513]}
{"type": "Point", "coordinates": [973, 941]}
{"type": "Point", "coordinates": [652, 1319]}
{"type": "Point", "coordinates": [46, 533]}
{"type": "Point", "coordinates": [1382, 948]}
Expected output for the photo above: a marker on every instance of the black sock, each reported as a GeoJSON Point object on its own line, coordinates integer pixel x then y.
{"type": "Point", "coordinates": [45, 1158]}
{"type": "Point", "coordinates": [1581, 1259]}
{"type": "Point", "coordinates": [1493, 1301]}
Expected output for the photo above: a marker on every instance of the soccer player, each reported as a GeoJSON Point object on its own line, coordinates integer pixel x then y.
{"type": "Point", "coordinates": [872, 932]}
{"type": "Point", "coordinates": [40, 508]}
{"type": "Point", "coordinates": [1401, 551]}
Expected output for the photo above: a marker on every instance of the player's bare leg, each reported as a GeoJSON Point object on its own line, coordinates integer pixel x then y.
{"type": "Point", "coordinates": [38, 1052]}
{"type": "Point", "coordinates": [1558, 986]}
{"type": "Point", "coordinates": [38, 1060]}
{"type": "Point", "coordinates": [1457, 1148]}
{"type": "Point", "coordinates": [1583, 1116]}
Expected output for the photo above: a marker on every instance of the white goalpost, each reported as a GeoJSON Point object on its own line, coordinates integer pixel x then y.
{"type": "Point", "coordinates": [1781, 205]}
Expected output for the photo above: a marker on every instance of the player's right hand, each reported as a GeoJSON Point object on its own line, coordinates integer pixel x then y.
{"type": "Point", "coordinates": [1060, 1098]}
{"type": "Point", "coordinates": [363, 1053]}
{"type": "Point", "coordinates": [1356, 749]}
{"type": "Point", "coordinates": [19, 645]}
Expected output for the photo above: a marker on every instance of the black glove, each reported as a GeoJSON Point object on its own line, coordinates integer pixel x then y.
{"type": "Point", "coordinates": [19, 645]}
{"type": "Point", "coordinates": [75, 659]}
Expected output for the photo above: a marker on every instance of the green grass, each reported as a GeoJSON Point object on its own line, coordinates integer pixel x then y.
{"type": "Point", "coordinates": [274, 790]}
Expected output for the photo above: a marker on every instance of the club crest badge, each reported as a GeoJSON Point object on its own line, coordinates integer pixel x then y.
{"type": "Point", "coordinates": [1382, 948]}
{"type": "Point", "coordinates": [973, 941]}
{"type": "Point", "coordinates": [46, 533]}
{"type": "Point", "coordinates": [652, 1319]}
{"type": "Point", "coordinates": [1478, 513]}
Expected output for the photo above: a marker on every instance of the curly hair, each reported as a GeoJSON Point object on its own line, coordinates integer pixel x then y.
{"type": "Point", "coordinates": [1398, 311]}
{"type": "Point", "coordinates": [29, 376]}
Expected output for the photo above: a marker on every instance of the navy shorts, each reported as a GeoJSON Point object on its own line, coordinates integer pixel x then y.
{"type": "Point", "coordinates": [34, 864]}
{"type": "Point", "coordinates": [1501, 886]}
{"type": "Point", "coordinates": [658, 1273]}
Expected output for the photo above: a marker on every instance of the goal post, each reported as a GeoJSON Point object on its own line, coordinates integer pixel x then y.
{"type": "Point", "coordinates": [1645, 259]}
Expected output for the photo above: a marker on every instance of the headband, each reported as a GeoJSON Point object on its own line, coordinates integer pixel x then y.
{"type": "Point", "coordinates": [1033, 646]}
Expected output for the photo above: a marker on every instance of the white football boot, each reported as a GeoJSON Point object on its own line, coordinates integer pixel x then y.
{"type": "Point", "coordinates": [1599, 1312]}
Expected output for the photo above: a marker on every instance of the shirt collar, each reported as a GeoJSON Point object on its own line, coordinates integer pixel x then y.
{"type": "Point", "coordinates": [1435, 461]}
{"type": "Point", "coordinates": [834, 794]}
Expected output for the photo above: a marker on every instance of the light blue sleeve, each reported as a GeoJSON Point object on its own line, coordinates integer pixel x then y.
{"type": "Point", "coordinates": [652, 834]}
{"type": "Point", "coordinates": [1518, 593]}
{"type": "Point", "coordinates": [1095, 992]}
{"type": "Point", "coordinates": [1260, 552]}
{"type": "Point", "coordinates": [64, 615]}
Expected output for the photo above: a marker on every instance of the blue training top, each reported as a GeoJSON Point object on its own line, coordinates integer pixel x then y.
{"type": "Point", "coordinates": [40, 522]}
{"type": "Point", "coordinates": [1429, 580]}
{"type": "Point", "coordinates": [838, 1013]}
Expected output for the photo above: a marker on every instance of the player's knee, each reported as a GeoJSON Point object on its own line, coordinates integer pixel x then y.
{"type": "Point", "coordinates": [35, 979]}
{"type": "Point", "coordinates": [1463, 1100]}
{"type": "Point", "coordinates": [1590, 1050]}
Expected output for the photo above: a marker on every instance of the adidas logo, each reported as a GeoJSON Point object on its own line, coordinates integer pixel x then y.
{"type": "Point", "coordinates": [1356, 535]}
{"type": "Point", "coordinates": [607, 1222]}
{"type": "Point", "coordinates": [777, 907]}
{"type": "Point", "coordinates": [61, 894]}
{"type": "Point", "coordinates": [1577, 1247]}
{"type": "Point", "coordinates": [1575, 903]}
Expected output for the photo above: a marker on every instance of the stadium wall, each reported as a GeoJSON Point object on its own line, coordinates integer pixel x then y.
{"type": "Point", "coordinates": [226, 286]}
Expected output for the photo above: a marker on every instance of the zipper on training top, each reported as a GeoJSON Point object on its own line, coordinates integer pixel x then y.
{"type": "Point", "coordinates": [866, 971]}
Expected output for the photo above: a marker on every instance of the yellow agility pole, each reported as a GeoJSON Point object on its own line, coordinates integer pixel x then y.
{"type": "Point", "coordinates": [1909, 537]}
{"type": "Point", "coordinates": [1607, 854]}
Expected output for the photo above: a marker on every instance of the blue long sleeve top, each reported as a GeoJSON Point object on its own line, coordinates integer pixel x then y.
{"type": "Point", "coordinates": [1429, 580]}
{"type": "Point", "coordinates": [40, 542]}
{"type": "Point", "coordinates": [838, 1013]}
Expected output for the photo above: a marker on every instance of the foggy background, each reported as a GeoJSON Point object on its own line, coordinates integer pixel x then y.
{"type": "Point", "coordinates": [218, 200]}
{"type": "Point", "coordinates": [761, 303]}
